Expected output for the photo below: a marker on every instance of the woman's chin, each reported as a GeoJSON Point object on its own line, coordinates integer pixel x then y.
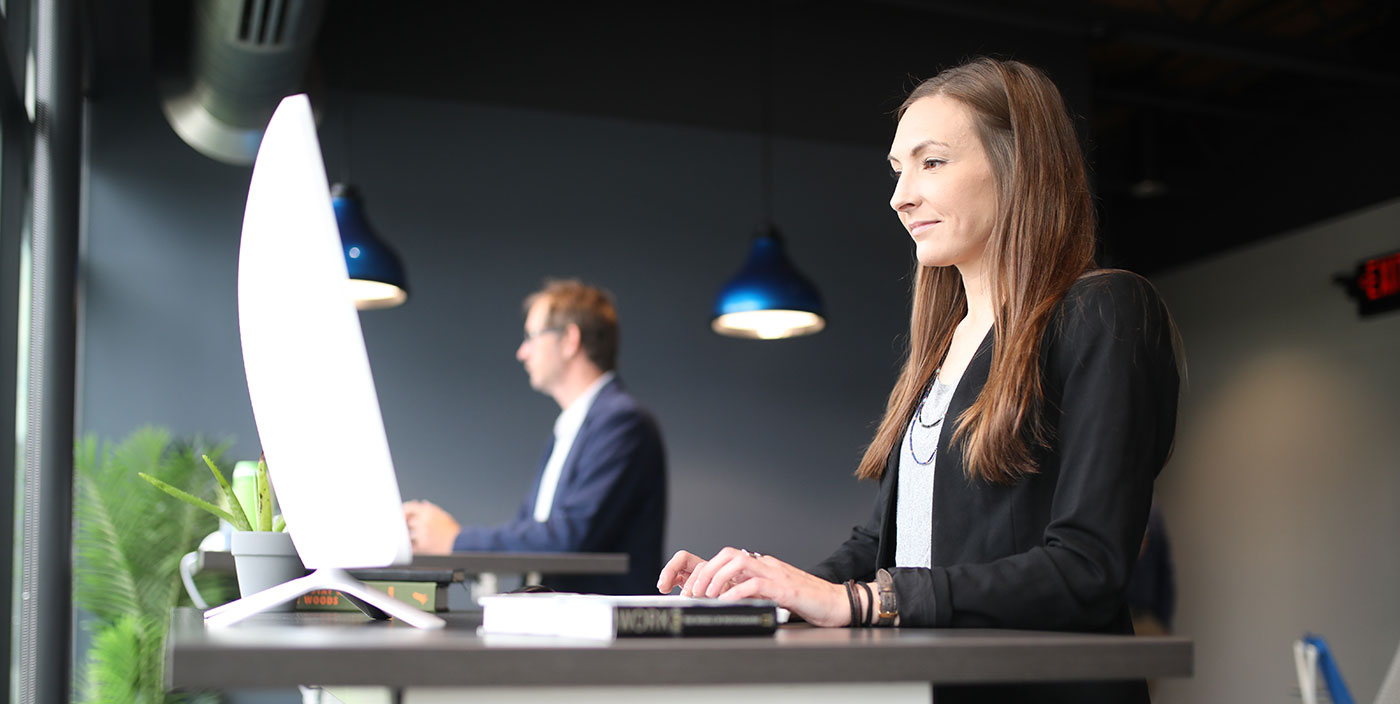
{"type": "Point", "coordinates": [928, 255]}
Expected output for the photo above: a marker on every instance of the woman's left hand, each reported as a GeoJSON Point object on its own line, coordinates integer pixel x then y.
{"type": "Point", "coordinates": [742, 574]}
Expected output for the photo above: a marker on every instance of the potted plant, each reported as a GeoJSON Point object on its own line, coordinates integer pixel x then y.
{"type": "Point", "coordinates": [127, 547]}
{"type": "Point", "coordinates": [263, 553]}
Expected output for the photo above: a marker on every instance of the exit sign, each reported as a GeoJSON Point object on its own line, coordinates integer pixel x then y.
{"type": "Point", "coordinates": [1376, 284]}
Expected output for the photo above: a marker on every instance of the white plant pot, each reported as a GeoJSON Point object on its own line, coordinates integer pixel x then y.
{"type": "Point", "coordinates": [264, 560]}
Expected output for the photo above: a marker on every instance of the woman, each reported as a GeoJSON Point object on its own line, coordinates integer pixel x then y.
{"type": "Point", "coordinates": [1037, 405]}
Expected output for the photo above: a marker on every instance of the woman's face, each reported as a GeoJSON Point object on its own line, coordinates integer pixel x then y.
{"type": "Point", "coordinates": [944, 191]}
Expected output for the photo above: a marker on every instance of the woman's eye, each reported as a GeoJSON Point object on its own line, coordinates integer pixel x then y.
{"type": "Point", "coordinates": [894, 175]}
{"type": "Point", "coordinates": [932, 163]}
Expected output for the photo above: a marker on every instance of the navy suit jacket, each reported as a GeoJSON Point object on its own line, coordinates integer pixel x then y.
{"type": "Point", "coordinates": [611, 498]}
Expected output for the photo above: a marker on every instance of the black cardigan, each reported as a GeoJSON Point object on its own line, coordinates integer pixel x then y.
{"type": "Point", "coordinates": [1054, 551]}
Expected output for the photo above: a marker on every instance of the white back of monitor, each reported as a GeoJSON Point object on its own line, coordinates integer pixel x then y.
{"type": "Point", "coordinates": [309, 378]}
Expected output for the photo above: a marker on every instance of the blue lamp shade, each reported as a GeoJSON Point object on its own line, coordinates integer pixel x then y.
{"type": "Point", "coordinates": [376, 275]}
{"type": "Point", "coordinates": [768, 299]}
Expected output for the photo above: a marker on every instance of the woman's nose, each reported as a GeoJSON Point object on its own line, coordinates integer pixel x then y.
{"type": "Point", "coordinates": [903, 197]}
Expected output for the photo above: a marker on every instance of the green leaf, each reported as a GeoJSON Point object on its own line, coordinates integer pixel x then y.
{"type": "Point", "coordinates": [192, 500]}
{"type": "Point", "coordinates": [230, 498]}
{"type": "Point", "coordinates": [264, 497]}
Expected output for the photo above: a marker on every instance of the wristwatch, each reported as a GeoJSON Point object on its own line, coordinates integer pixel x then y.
{"type": "Point", "coordinates": [889, 608]}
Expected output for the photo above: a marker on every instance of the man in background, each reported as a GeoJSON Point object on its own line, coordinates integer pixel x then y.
{"type": "Point", "coordinates": [602, 484]}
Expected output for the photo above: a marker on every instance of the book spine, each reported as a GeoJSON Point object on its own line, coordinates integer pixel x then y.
{"type": "Point", "coordinates": [631, 621]}
{"type": "Point", "coordinates": [428, 596]}
{"type": "Point", "coordinates": [324, 600]}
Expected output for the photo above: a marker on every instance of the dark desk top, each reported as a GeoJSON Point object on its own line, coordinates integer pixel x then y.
{"type": "Point", "coordinates": [282, 650]}
{"type": "Point", "coordinates": [487, 562]}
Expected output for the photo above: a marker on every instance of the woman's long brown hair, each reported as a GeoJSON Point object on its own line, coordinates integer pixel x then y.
{"type": "Point", "coordinates": [1042, 240]}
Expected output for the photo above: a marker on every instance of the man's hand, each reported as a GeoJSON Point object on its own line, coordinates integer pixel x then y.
{"type": "Point", "coordinates": [430, 529]}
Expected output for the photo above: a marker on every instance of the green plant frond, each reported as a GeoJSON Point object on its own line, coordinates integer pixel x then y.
{"type": "Point", "coordinates": [141, 518]}
{"type": "Point", "coordinates": [117, 662]}
{"type": "Point", "coordinates": [154, 551]}
{"type": "Point", "coordinates": [129, 541]}
{"type": "Point", "coordinates": [103, 583]}
{"type": "Point", "coordinates": [216, 588]}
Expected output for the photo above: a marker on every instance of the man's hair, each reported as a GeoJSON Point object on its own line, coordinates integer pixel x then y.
{"type": "Point", "coordinates": [572, 302]}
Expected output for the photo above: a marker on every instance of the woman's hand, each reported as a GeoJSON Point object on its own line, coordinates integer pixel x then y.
{"type": "Point", "coordinates": [677, 572]}
{"type": "Point", "coordinates": [741, 574]}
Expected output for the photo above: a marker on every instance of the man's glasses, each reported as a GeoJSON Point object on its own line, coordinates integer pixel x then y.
{"type": "Point", "coordinates": [531, 335]}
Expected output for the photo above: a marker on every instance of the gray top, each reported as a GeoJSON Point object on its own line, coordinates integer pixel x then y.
{"type": "Point", "coordinates": [282, 650]}
{"type": "Point", "coordinates": [917, 459]}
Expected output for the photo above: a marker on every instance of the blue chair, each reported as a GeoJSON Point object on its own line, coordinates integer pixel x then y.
{"type": "Point", "coordinates": [1311, 656]}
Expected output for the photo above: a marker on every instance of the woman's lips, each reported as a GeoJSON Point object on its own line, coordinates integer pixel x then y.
{"type": "Point", "coordinates": [921, 226]}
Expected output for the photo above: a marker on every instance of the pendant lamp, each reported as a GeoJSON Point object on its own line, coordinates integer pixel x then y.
{"type": "Point", "coordinates": [376, 275]}
{"type": "Point", "coordinates": [769, 298]}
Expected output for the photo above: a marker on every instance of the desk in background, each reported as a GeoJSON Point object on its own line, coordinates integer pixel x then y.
{"type": "Point", "coordinates": [486, 566]}
{"type": "Point", "coordinates": [810, 664]}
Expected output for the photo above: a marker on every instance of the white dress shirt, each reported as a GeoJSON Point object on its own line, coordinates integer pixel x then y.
{"type": "Point", "coordinates": [566, 428]}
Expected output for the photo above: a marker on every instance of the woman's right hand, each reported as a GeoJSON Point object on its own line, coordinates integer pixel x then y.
{"type": "Point", "coordinates": [677, 572]}
{"type": "Point", "coordinates": [743, 574]}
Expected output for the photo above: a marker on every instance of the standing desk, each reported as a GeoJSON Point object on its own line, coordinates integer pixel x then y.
{"type": "Point", "coordinates": [800, 663]}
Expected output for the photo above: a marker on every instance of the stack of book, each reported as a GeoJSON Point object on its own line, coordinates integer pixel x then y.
{"type": "Point", "coordinates": [424, 589]}
{"type": "Point", "coordinates": [606, 617]}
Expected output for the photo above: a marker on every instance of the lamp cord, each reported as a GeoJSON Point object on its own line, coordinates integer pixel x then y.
{"type": "Point", "coordinates": [765, 81]}
{"type": "Point", "coordinates": [347, 121]}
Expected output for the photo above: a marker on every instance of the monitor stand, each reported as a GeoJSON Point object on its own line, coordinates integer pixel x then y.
{"type": "Point", "coordinates": [380, 605]}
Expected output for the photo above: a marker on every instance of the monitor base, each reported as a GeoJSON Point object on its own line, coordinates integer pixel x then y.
{"type": "Point", "coordinates": [380, 605]}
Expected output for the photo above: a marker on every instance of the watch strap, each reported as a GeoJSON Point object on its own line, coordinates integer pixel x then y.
{"type": "Point", "coordinates": [888, 611]}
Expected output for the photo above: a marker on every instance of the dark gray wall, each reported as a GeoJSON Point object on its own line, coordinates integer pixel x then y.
{"type": "Point", "coordinates": [482, 203]}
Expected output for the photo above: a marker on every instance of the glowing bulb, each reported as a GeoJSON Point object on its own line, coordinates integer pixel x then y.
{"type": "Point", "coordinates": [768, 324]}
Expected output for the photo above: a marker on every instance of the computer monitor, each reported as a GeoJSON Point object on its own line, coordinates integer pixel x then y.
{"type": "Point", "coordinates": [309, 379]}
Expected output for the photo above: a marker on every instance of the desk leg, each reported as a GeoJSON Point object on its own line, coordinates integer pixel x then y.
{"type": "Point", "coordinates": [486, 585]}
{"type": "Point", "coordinates": [357, 695]}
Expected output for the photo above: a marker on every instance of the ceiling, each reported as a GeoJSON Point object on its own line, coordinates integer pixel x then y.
{"type": "Point", "coordinates": [1209, 124]}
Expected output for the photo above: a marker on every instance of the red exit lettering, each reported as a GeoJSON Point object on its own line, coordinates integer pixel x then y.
{"type": "Point", "coordinates": [1380, 278]}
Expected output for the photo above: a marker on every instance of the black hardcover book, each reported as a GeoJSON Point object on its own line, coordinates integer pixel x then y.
{"type": "Point", "coordinates": [407, 574]}
{"type": "Point", "coordinates": [606, 617]}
